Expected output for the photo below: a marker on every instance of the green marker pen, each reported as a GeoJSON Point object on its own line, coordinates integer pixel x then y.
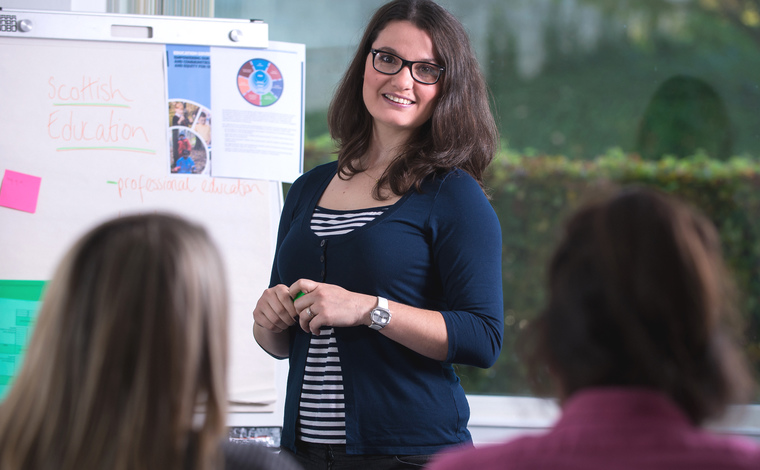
{"type": "Point", "coordinates": [298, 295]}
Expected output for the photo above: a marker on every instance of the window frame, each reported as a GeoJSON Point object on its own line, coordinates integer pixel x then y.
{"type": "Point", "coordinates": [495, 419]}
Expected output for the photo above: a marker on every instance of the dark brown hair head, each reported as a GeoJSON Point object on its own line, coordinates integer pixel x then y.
{"type": "Point", "coordinates": [461, 132]}
{"type": "Point", "coordinates": [639, 296]}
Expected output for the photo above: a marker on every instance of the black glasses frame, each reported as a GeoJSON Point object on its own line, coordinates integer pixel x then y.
{"type": "Point", "coordinates": [407, 63]}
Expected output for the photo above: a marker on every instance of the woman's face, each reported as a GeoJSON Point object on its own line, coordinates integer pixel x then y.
{"type": "Point", "coordinates": [397, 102]}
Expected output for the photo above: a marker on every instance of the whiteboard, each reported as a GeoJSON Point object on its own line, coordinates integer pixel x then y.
{"type": "Point", "coordinates": [88, 120]}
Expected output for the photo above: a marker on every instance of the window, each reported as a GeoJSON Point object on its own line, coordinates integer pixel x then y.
{"type": "Point", "coordinates": [581, 92]}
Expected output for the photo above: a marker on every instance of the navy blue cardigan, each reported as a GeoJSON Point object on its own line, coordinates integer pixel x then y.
{"type": "Point", "coordinates": [438, 249]}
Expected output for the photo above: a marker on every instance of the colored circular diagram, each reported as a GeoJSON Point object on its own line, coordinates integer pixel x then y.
{"type": "Point", "coordinates": [260, 82]}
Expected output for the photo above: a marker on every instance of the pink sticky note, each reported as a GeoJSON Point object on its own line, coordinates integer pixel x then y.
{"type": "Point", "coordinates": [20, 191]}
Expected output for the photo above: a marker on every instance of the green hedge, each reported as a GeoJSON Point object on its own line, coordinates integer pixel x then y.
{"type": "Point", "coordinates": [534, 194]}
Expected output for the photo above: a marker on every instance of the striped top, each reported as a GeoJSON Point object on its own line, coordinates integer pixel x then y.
{"type": "Point", "coordinates": [328, 222]}
{"type": "Point", "coordinates": [322, 408]}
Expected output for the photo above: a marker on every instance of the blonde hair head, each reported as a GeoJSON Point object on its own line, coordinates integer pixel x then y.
{"type": "Point", "coordinates": [129, 343]}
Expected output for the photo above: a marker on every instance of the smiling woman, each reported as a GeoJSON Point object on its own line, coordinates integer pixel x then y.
{"type": "Point", "coordinates": [398, 285]}
{"type": "Point", "coordinates": [398, 102]}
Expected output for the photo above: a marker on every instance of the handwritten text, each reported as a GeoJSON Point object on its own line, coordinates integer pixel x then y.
{"type": "Point", "coordinates": [94, 113]}
{"type": "Point", "coordinates": [90, 90]}
{"type": "Point", "coordinates": [145, 184]}
{"type": "Point", "coordinates": [69, 128]}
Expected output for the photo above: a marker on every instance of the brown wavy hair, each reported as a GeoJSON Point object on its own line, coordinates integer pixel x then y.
{"type": "Point", "coordinates": [639, 296]}
{"type": "Point", "coordinates": [129, 343]}
{"type": "Point", "coordinates": [461, 132]}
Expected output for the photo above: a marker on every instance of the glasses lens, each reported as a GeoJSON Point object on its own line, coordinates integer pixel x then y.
{"type": "Point", "coordinates": [387, 63]}
{"type": "Point", "coordinates": [426, 73]}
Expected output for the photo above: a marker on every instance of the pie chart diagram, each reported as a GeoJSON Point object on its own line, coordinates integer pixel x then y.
{"type": "Point", "coordinates": [260, 82]}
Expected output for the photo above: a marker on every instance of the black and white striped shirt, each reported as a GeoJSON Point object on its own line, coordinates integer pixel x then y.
{"type": "Point", "coordinates": [328, 222]}
{"type": "Point", "coordinates": [322, 408]}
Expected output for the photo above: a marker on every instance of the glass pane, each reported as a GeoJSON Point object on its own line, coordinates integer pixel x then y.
{"type": "Point", "coordinates": [663, 93]}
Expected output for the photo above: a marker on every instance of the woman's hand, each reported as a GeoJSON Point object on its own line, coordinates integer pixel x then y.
{"type": "Point", "coordinates": [273, 314]}
{"type": "Point", "coordinates": [328, 304]}
{"type": "Point", "coordinates": [275, 310]}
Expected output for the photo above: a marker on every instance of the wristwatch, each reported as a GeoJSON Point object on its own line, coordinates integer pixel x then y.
{"type": "Point", "coordinates": [380, 315]}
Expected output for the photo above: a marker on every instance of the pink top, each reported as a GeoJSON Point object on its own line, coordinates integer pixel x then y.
{"type": "Point", "coordinates": [613, 429]}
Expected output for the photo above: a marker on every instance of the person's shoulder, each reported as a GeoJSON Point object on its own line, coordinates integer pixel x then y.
{"type": "Point", "coordinates": [255, 457]}
{"type": "Point", "coordinates": [457, 191]}
{"type": "Point", "coordinates": [457, 181]}
{"type": "Point", "coordinates": [730, 452]}
{"type": "Point", "coordinates": [456, 174]}
{"type": "Point", "coordinates": [318, 173]}
{"type": "Point", "coordinates": [329, 167]}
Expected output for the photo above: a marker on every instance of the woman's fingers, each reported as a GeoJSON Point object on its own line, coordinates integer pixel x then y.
{"type": "Point", "coordinates": [275, 310]}
{"type": "Point", "coordinates": [327, 304]}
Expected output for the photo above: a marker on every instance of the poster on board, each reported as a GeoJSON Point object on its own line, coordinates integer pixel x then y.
{"type": "Point", "coordinates": [259, 111]}
{"type": "Point", "coordinates": [236, 113]}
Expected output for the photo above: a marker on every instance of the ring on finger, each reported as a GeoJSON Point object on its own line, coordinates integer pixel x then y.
{"type": "Point", "coordinates": [308, 312]}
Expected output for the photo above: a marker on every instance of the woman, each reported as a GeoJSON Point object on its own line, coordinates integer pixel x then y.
{"type": "Point", "coordinates": [130, 343]}
{"type": "Point", "coordinates": [636, 336]}
{"type": "Point", "coordinates": [395, 249]}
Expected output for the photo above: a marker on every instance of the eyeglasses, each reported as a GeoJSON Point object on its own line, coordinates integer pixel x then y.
{"type": "Point", "coordinates": [391, 64]}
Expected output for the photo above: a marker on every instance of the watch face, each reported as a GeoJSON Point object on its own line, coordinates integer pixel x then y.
{"type": "Point", "coordinates": [381, 316]}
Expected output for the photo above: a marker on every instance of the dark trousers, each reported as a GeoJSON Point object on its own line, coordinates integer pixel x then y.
{"type": "Point", "coordinates": [334, 457]}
